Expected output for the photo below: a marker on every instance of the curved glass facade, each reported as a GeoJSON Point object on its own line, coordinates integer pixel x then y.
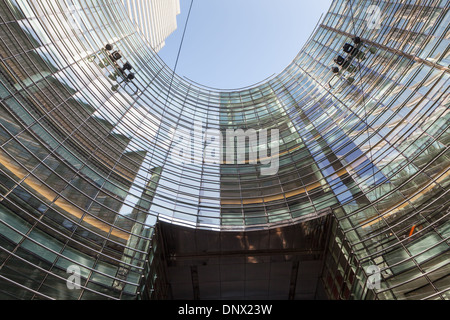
{"type": "Point", "coordinates": [87, 167]}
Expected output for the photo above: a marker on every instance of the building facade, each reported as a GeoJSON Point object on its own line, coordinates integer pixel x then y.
{"type": "Point", "coordinates": [156, 19]}
{"type": "Point", "coordinates": [95, 203]}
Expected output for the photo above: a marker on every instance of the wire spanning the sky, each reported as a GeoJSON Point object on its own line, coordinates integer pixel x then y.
{"type": "Point", "coordinates": [235, 43]}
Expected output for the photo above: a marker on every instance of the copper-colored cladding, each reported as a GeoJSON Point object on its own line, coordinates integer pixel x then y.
{"type": "Point", "coordinates": [49, 196]}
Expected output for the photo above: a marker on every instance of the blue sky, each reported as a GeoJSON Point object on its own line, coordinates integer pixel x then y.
{"type": "Point", "coordinates": [236, 43]}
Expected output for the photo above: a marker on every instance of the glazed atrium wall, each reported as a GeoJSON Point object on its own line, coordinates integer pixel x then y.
{"type": "Point", "coordinates": [87, 176]}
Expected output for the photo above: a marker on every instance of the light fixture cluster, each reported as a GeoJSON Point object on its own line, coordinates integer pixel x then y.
{"type": "Point", "coordinates": [344, 62]}
{"type": "Point", "coordinates": [115, 56]}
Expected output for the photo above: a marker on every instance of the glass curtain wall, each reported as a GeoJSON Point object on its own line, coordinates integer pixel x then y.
{"type": "Point", "coordinates": [88, 167]}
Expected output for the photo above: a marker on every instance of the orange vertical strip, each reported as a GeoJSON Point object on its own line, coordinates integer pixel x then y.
{"type": "Point", "coordinates": [412, 230]}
